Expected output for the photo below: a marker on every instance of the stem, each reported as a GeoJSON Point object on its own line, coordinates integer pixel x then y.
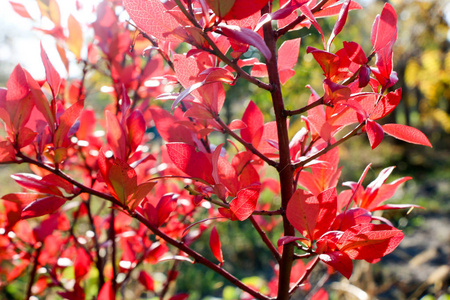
{"type": "Point", "coordinates": [265, 239]}
{"type": "Point", "coordinates": [216, 51]}
{"type": "Point", "coordinates": [305, 108]}
{"type": "Point", "coordinates": [112, 238]}
{"type": "Point", "coordinates": [199, 258]}
{"type": "Point", "coordinates": [33, 271]}
{"type": "Point", "coordinates": [284, 167]}
{"type": "Point", "coordinates": [179, 245]}
{"type": "Point", "coordinates": [329, 147]}
{"type": "Point", "coordinates": [305, 275]}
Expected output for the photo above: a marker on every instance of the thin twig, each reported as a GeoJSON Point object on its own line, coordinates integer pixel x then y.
{"type": "Point", "coordinates": [265, 239]}
{"type": "Point", "coordinates": [305, 275]}
{"type": "Point", "coordinates": [329, 147]}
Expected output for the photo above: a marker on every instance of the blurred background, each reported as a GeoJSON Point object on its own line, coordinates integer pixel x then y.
{"type": "Point", "coordinates": [420, 267]}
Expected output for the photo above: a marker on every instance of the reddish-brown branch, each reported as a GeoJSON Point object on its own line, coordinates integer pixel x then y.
{"type": "Point", "coordinates": [33, 271]}
{"type": "Point", "coordinates": [199, 258]}
{"type": "Point", "coordinates": [179, 245]}
{"type": "Point", "coordinates": [329, 147]}
{"type": "Point", "coordinates": [216, 51]}
{"type": "Point", "coordinates": [112, 239]}
{"type": "Point", "coordinates": [305, 108]}
{"type": "Point", "coordinates": [305, 275]}
{"type": "Point", "coordinates": [284, 168]}
{"type": "Point", "coordinates": [265, 239]}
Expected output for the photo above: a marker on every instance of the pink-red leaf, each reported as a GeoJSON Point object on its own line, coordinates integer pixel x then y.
{"type": "Point", "coordinates": [244, 8]}
{"type": "Point", "coordinates": [254, 120]}
{"type": "Point", "coordinates": [53, 78]}
{"type": "Point", "coordinates": [302, 212]}
{"type": "Point", "coordinates": [192, 162]}
{"type": "Point", "coordinates": [374, 132]}
{"type": "Point", "coordinates": [152, 18]}
{"type": "Point", "coordinates": [66, 121]}
{"type": "Point", "coordinates": [42, 206]}
{"type": "Point", "coordinates": [81, 264]}
{"type": "Point", "coordinates": [407, 134]}
{"type": "Point", "coordinates": [369, 241]}
{"type": "Point", "coordinates": [340, 261]}
{"type": "Point", "coordinates": [146, 280]}
{"type": "Point", "coordinates": [116, 136]}
{"type": "Point", "coordinates": [245, 202]}
{"type": "Point", "coordinates": [342, 18]}
{"type": "Point", "coordinates": [287, 58]}
{"type": "Point", "coordinates": [384, 30]}
{"type": "Point", "coordinates": [246, 36]}
{"type": "Point", "coordinates": [214, 243]}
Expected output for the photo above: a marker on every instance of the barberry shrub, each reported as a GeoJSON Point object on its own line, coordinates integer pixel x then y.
{"type": "Point", "coordinates": [104, 204]}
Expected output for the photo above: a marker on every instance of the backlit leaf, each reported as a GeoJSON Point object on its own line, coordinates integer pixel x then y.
{"type": "Point", "coordinates": [214, 243]}
{"type": "Point", "coordinates": [407, 134]}
{"type": "Point", "coordinates": [245, 202]}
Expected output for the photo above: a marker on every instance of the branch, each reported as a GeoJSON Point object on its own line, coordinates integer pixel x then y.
{"type": "Point", "coordinates": [249, 146]}
{"type": "Point", "coordinates": [199, 258]}
{"type": "Point", "coordinates": [305, 108]}
{"type": "Point", "coordinates": [180, 245]}
{"type": "Point", "coordinates": [265, 239]}
{"type": "Point", "coordinates": [216, 51]}
{"type": "Point", "coordinates": [305, 275]}
{"type": "Point", "coordinates": [328, 148]}
{"type": "Point", "coordinates": [33, 271]}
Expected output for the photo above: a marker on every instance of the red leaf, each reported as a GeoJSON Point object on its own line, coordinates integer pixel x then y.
{"type": "Point", "coordinates": [246, 36]}
{"type": "Point", "coordinates": [308, 14]}
{"type": "Point", "coordinates": [328, 207]}
{"type": "Point", "coordinates": [244, 8]}
{"type": "Point", "coordinates": [36, 183]}
{"type": "Point", "coordinates": [237, 124]}
{"type": "Point", "coordinates": [254, 120]}
{"type": "Point", "coordinates": [106, 292]}
{"type": "Point", "coordinates": [168, 127]}
{"type": "Point", "coordinates": [42, 206]}
{"type": "Point", "coordinates": [384, 30]}
{"type": "Point", "coordinates": [123, 180]}
{"type": "Point", "coordinates": [320, 295]}
{"type": "Point", "coordinates": [136, 129]}
{"type": "Point", "coordinates": [116, 136]}
{"type": "Point", "coordinates": [53, 78]}
{"type": "Point", "coordinates": [66, 121]}
{"type": "Point", "coordinates": [245, 202]}
{"type": "Point", "coordinates": [351, 218]}
{"type": "Point", "coordinates": [374, 132]}
{"type": "Point", "coordinates": [41, 101]}
{"type": "Point", "coordinates": [192, 162]}
{"type": "Point", "coordinates": [287, 58]}
{"type": "Point", "coordinates": [340, 261]}
{"type": "Point", "coordinates": [302, 212]}
{"type": "Point", "coordinates": [146, 280]}
{"type": "Point", "coordinates": [342, 18]}
{"type": "Point", "coordinates": [81, 264]}
{"type": "Point", "coordinates": [386, 105]}
{"type": "Point", "coordinates": [151, 17]}
{"type": "Point", "coordinates": [165, 207]}
{"type": "Point", "coordinates": [369, 241]}
{"type": "Point", "coordinates": [355, 53]}
{"type": "Point", "coordinates": [407, 134]}
{"type": "Point", "coordinates": [214, 243]}
{"type": "Point", "coordinates": [334, 9]}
